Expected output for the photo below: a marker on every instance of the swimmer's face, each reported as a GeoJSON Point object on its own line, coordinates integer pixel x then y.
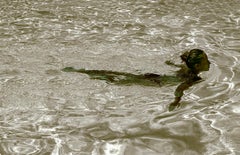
{"type": "Point", "coordinates": [204, 64]}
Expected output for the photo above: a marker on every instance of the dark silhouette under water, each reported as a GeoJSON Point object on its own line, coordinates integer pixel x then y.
{"type": "Point", "coordinates": [195, 61]}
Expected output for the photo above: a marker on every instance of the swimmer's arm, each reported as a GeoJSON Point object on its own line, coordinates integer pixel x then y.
{"type": "Point", "coordinates": [179, 93]}
{"type": "Point", "coordinates": [170, 63]}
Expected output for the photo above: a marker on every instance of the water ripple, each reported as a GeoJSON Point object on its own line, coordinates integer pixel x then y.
{"type": "Point", "coordinates": [46, 111]}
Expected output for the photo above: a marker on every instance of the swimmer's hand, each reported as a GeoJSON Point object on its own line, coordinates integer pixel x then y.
{"type": "Point", "coordinates": [170, 63]}
{"type": "Point", "coordinates": [175, 104]}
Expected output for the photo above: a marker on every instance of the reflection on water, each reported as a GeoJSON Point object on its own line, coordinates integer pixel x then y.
{"type": "Point", "coordinates": [46, 111]}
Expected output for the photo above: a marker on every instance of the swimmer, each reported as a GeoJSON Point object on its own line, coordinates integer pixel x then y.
{"type": "Point", "coordinates": [195, 61]}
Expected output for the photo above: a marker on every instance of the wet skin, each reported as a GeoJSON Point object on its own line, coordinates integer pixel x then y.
{"type": "Point", "coordinates": [186, 76]}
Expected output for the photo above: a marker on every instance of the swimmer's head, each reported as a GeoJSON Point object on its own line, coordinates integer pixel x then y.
{"type": "Point", "coordinates": [196, 60]}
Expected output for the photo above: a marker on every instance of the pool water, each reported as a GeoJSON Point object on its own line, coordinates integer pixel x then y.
{"type": "Point", "coordinates": [46, 111]}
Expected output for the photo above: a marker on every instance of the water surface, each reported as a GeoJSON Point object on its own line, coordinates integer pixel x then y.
{"type": "Point", "coordinates": [46, 111]}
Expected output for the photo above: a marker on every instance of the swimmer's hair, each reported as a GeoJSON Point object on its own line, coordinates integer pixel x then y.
{"type": "Point", "coordinates": [192, 57]}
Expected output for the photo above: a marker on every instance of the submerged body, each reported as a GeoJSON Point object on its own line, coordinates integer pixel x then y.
{"type": "Point", "coordinates": [195, 60]}
{"type": "Point", "coordinates": [122, 78]}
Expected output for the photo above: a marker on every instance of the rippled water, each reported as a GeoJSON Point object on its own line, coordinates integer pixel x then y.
{"type": "Point", "coordinates": [46, 111]}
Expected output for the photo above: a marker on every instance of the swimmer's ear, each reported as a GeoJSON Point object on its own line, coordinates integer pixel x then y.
{"type": "Point", "coordinates": [184, 56]}
{"type": "Point", "coordinates": [196, 66]}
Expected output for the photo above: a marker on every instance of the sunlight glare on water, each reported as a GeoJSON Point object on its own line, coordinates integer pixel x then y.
{"type": "Point", "coordinates": [46, 111]}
